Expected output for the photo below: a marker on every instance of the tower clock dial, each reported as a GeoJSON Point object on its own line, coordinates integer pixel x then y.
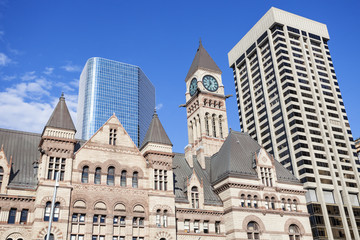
{"type": "Point", "coordinates": [210, 83]}
{"type": "Point", "coordinates": [193, 86]}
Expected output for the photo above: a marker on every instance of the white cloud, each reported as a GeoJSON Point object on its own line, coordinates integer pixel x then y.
{"type": "Point", "coordinates": [8, 77]}
{"type": "Point", "coordinates": [159, 106]}
{"type": "Point", "coordinates": [4, 60]}
{"type": "Point", "coordinates": [28, 76]}
{"type": "Point", "coordinates": [48, 70]}
{"type": "Point", "coordinates": [64, 87]}
{"type": "Point", "coordinates": [69, 67]}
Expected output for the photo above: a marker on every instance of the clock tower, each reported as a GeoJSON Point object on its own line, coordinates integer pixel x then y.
{"type": "Point", "coordinates": [205, 108]}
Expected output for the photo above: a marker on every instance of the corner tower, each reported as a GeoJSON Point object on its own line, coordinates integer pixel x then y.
{"type": "Point", "coordinates": [205, 107]}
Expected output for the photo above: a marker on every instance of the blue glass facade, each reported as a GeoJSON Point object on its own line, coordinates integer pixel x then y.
{"type": "Point", "coordinates": [108, 87]}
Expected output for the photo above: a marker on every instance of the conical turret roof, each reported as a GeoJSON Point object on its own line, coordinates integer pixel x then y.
{"type": "Point", "coordinates": [60, 118]}
{"type": "Point", "coordinates": [156, 133]}
{"type": "Point", "coordinates": [202, 60]}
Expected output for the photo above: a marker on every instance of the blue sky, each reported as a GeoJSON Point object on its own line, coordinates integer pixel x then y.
{"type": "Point", "coordinates": [45, 44]}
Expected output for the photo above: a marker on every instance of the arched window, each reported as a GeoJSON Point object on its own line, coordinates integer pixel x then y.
{"type": "Point", "coordinates": [158, 218]}
{"type": "Point", "coordinates": [242, 200]}
{"type": "Point", "coordinates": [135, 179]}
{"type": "Point", "coordinates": [97, 179]}
{"type": "Point", "coordinates": [220, 126]}
{"type": "Point", "coordinates": [283, 204]}
{"type": "Point", "coordinates": [207, 124]}
{"type": "Point", "coordinates": [248, 201]}
{"type": "Point", "coordinates": [110, 176]}
{"type": "Point", "coordinates": [255, 204]}
{"type": "Point", "coordinates": [253, 230]}
{"type": "Point", "coordinates": [294, 232]}
{"type": "Point", "coordinates": [165, 223]}
{"type": "Point", "coordinates": [288, 205]}
{"type": "Point", "coordinates": [267, 202]}
{"type": "Point", "coordinates": [51, 237]}
{"type": "Point", "coordinates": [47, 211]}
{"type": "Point", "coordinates": [123, 179]}
{"type": "Point", "coordinates": [85, 175]}
{"type": "Point", "coordinates": [294, 205]}
{"type": "Point", "coordinates": [56, 212]}
{"type": "Point", "coordinates": [214, 125]}
{"type": "Point", "coordinates": [273, 203]}
{"type": "Point", "coordinates": [195, 197]}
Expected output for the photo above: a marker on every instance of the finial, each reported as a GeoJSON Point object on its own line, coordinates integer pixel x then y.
{"type": "Point", "coordinates": [114, 114]}
{"type": "Point", "coordinates": [155, 111]}
{"type": "Point", "coordinates": [200, 42]}
{"type": "Point", "coordinates": [62, 96]}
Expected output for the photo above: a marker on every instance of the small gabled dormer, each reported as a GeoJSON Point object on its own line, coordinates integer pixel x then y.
{"type": "Point", "coordinates": [5, 168]}
{"type": "Point", "coordinates": [265, 167]}
{"type": "Point", "coordinates": [57, 144]}
{"type": "Point", "coordinates": [195, 191]}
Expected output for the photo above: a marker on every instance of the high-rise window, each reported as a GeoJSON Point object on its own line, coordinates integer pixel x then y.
{"type": "Point", "coordinates": [110, 176]}
{"type": "Point", "coordinates": [85, 175]}
{"type": "Point", "coordinates": [97, 178]}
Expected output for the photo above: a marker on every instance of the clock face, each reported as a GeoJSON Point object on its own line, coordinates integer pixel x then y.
{"type": "Point", "coordinates": [210, 83]}
{"type": "Point", "coordinates": [193, 87]}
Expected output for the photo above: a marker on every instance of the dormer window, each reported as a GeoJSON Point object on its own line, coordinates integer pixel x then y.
{"type": "Point", "coordinates": [56, 166]}
{"type": "Point", "coordinates": [195, 197]}
{"type": "Point", "coordinates": [266, 176]}
{"type": "Point", "coordinates": [112, 136]}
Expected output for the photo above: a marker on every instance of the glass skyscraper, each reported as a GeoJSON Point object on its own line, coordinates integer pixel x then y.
{"type": "Point", "coordinates": [108, 87]}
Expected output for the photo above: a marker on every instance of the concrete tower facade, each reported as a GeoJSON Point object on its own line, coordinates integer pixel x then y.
{"type": "Point", "coordinates": [290, 102]}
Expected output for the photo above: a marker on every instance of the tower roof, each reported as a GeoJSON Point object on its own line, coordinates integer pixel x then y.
{"type": "Point", "coordinates": [202, 60]}
{"type": "Point", "coordinates": [60, 118]}
{"type": "Point", "coordinates": [156, 133]}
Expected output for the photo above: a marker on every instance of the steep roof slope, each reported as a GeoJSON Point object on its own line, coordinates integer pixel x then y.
{"type": "Point", "coordinates": [236, 158]}
{"type": "Point", "coordinates": [60, 118]}
{"type": "Point", "coordinates": [202, 60]}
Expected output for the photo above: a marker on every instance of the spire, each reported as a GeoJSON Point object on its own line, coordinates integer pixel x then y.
{"type": "Point", "coordinates": [202, 60]}
{"type": "Point", "coordinates": [60, 118]}
{"type": "Point", "coordinates": [156, 132]}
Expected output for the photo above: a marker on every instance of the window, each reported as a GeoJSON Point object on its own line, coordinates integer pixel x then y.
{"type": "Point", "coordinates": [267, 202]}
{"type": "Point", "coordinates": [77, 217]}
{"type": "Point", "coordinates": [255, 204]}
{"type": "Point", "coordinates": [248, 201]}
{"type": "Point", "coordinates": [283, 204]}
{"type": "Point", "coordinates": [76, 237]}
{"type": "Point", "coordinates": [1, 176]}
{"type": "Point", "coordinates": [47, 211]}
{"type": "Point", "coordinates": [85, 175]}
{"type": "Point", "coordinates": [217, 227]}
{"type": "Point", "coordinates": [311, 195]}
{"type": "Point", "coordinates": [294, 205]}
{"type": "Point", "coordinates": [328, 196]}
{"type": "Point", "coordinates": [165, 222]}
{"type": "Point", "coordinates": [195, 197]}
{"type": "Point", "coordinates": [56, 165]}
{"type": "Point", "coordinates": [266, 176]}
{"type": "Point", "coordinates": [242, 200]}
{"type": "Point", "coordinates": [253, 230]}
{"type": "Point", "coordinates": [23, 216]}
{"type": "Point", "coordinates": [187, 225]}
{"type": "Point", "coordinates": [135, 180]}
{"type": "Point", "coordinates": [56, 212]}
{"type": "Point", "coordinates": [213, 125]}
{"type": "Point", "coordinates": [123, 179]}
{"type": "Point", "coordinates": [97, 178]}
{"type": "Point", "coordinates": [273, 203]}
{"type": "Point", "coordinates": [158, 218]}
{"type": "Point", "coordinates": [110, 176]}
{"type": "Point", "coordinates": [12, 216]}
{"type": "Point", "coordinates": [112, 136]}
{"type": "Point", "coordinates": [51, 237]}
{"type": "Point", "coordinates": [294, 232]}
{"type": "Point", "coordinates": [207, 124]}
{"type": "Point", "coordinates": [220, 126]}
{"type": "Point", "coordinates": [206, 226]}
{"type": "Point", "coordinates": [196, 226]}
{"type": "Point", "coordinates": [160, 179]}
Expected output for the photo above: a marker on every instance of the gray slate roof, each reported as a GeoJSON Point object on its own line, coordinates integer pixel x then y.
{"type": "Point", "coordinates": [182, 171]}
{"type": "Point", "coordinates": [23, 147]}
{"type": "Point", "coordinates": [60, 118]}
{"type": "Point", "coordinates": [156, 133]}
{"type": "Point", "coordinates": [202, 60]}
{"type": "Point", "coordinates": [236, 158]}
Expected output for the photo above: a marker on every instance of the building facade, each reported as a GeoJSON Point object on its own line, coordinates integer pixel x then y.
{"type": "Point", "coordinates": [290, 102]}
{"type": "Point", "coordinates": [225, 185]}
{"type": "Point", "coordinates": [357, 147]}
{"type": "Point", "coordinates": [108, 87]}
